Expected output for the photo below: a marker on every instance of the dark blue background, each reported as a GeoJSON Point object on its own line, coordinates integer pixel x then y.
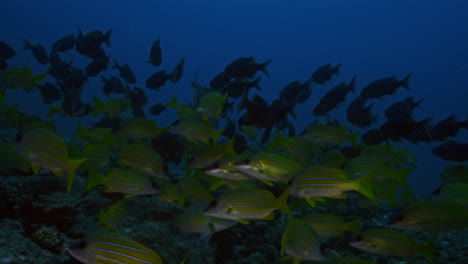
{"type": "Point", "coordinates": [372, 39]}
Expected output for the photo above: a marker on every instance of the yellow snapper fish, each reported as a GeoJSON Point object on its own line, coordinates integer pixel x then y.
{"type": "Point", "coordinates": [269, 167]}
{"type": "Point", "coordinates": [43, 148]}
{"type": "Point", "coordinates": [20, 78]}
{"type": "Point", "coordinates": [301, 242]}
{"type": "Point", "coordinates": [243, 204]}
{"type": "Point", "coordinates": [113, 248]}
{"type": "Point", "coordinates": [322, 182]}
{"type": "Point", "coordinates": [387, 242]}
{"type": "Point", "coordinates": [144, 159]}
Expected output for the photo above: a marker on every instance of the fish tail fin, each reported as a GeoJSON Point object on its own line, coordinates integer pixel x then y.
{"type": "Point", "coordinates": [99, 106]}
{"type": "Point", "coordinates": [353, 137]}
{"type": "Point", "coordinates": [73, 165]}
{"type": "Point", "coordinates": [405, 81]}
{"type": "Point", "coordinates": [173, 103]}
{"type": "Point", "coordinates": [37, 79]}
{"type": "Point", "coordinates": [416, 104]}
{"type": "Point", "coordinates": [116, 64]}
{"type": "Point", "coordinates": [94, 179]}
{"type": "Point", "coordinates": [107, 37]}
{"type": "Point", "coordinates": [283, 201]}
{"type": "Point", "coordinates": [81, 131]}
{"type": "Point", "coordinates": [27, 45]}
{"type": "Point", "coordinates": [277, 141]}
{"type": "Point", "coordinates": [426, 249]}
{"type": "Point", "coordinates": [353, 226]}
{"type": "Point", "coordinates": [264, 66]}
{"type": "Point", "coordinates": [337, 69]}
{"type": "Point", "coordinates": [365, 185]}
{"type": "Point", "coordinates": [352, 84]}
{"type": "Point", "coordinates": [216, 134]}
{"type": "Point", "coordinates": [389, 192]}
{"type": "Point", "coordinates": [229, 147]}
{"type": "Point", "coordinates": [401, 176]}
{"type": "Point", "coordinates": [256, 83]}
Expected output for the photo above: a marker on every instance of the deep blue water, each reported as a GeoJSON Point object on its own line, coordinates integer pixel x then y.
{"type": "Point", "coordinates": [372, 39]}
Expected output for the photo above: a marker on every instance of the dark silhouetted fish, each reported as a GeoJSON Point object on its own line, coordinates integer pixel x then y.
{"type": "Point", "coordinates": [176, 74]}
{"type": "Point", "coordinates": [235, 88]}
{"type": "Point", "coordinates": [373, 137]}
{"type": "Point", "coordinates": [6, 52]}
{"type": "Point", "coordinates": [157, 80]}
{"type": "Point", "coordinates": [385, 86]}
{"type": "Point", "coordinates": [97, 65]}
{"type": "Point", "coordinates": [155, 53]}
{"type": "Point", "coordinates": [360, 115]}
{"type": "Point", "coordinates": [125, 72]}
{"type": "Point", "coordinates": [220, 80]}
{"type": "Point", "coordinates": [296, 92]}
{"type": "Point", "coordinates": [245, 68]}
{"type": "Point", "coordinates": [113, 85]}
{"type": "Point", "coordinates": [90, 44]}
{"type": "Point", "coordinates": [50, 93]}
{"type": "Point", "coordinates": [403, 108]}
{"type": "Point", "coordinates": [325, 73]}
{"type": "Point", "coordinates": [452, 150]}
{"type": "Point", "coordinates": [402, 128]}
{"type": "Point", "coordinates": [333, 98]}
{"type": "Point", "coordinates": [169, 146]}
{"type": "Point", "coordinates": [138, 99]}
{"type": "Point", "coordinates": [64, 44]}
{"type": "Point", "coordinates": [157, 109]}
{"type": "Point", "coordinates": [448, 127]}
{"type": "Point", "coordinates": [74, 107]}
{"type": "Point", "coordinates": [39, 52]}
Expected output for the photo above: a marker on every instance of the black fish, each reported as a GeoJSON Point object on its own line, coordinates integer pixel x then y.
{"type": "Point", "coordinates": [448, 127]}
{"type": "Point", "coordinates": [452, 150]}
{"type": "Point", "coordinates": [403, 108]}
{"type": "Point", "coordinates": [125, 72]}
{"type": "Point", "coordinates": [170, 146]}
{"type": "Point", "coordinates": [245, 68]}
{"type": "Point", "coordinates": [90, 44]}
{"type": "Point", "coordinates": [138, 99]}
{"type": "Point", "coordinates": [50, 93]}
{"type": "Point", "coordinates": [360, 115]}
{"type": "Point", "coordinates": [373, 137]}
{"type": "Point", "coordinates": [155, 53]}
{"type": "Point", "coordinates": [113, 85]}
{"type": "Point", "coordinates": [385, 86]}
{"type": "Point", "coordinates": [6, 52]}
{"type": "Point", "coordinates": [176, 74]}
{"type": "Point", "coordinates": [296, 92]}
{"type": "Point", "coordinates": [3, 65]}
{"type": "Point", "coordinates": [402, 128]}
{"type": "Point", "coordinates": [235, 88]}
{"type": "Point", "coordinates": [97, 65]}
{"type": "Point", "coordinates": [157, 80]}
{"type": "Point", "coordinates": [64, 44]}
{"type": "Point", "coordinates": [220, 80]}
{"type": "Point", "coordinates": [333, 98]}
{"type": "Point", "coordinates": [73, 81]}
{"type": "Point", "coordinates": [39, 52]}
{"type": "Point", "coordinates": [258, 114]}
{"type": "Point", "coordinates": [157, 109]}
{"type": "Point", "coordinates": [74, 107]}
{"type": "Point", "coordinates": [325, 73]}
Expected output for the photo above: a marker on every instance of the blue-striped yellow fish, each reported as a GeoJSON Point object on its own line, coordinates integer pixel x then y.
{"type": "Point", "coordinates": [111, 217]}
{"type": "Point", "coordinates": [211, 104]}
{"type": "Point", "coordinates": [327, 225]}
{"type": "Point", "coordinates": [45, 149]}
{"type": "Point", "coordinates": [269, 167]}
{"type": "Point", "coordinates": [194, 128]}
{"type": "Point", "coordinates": [300, 241]}
{"type": "Point", "coordinates": [432, 216]}
{"type": "Point", "coordinates": [244, 203]}
{"type": "Point", "coordinates": [113, 248]}
{"type": "Point", "coordinates": [194, 220]}
{"type": "Point", "coordinates": [11, 160]}
{"type": "Point", "coordinates": [142, 128]}
{"type": "Point", "coordinates": [329, 134]}
{"type": "Point", "coordinates": [128, 181]}
{"type": "Point", "coordinates": [387, 242]}
{"type": "Point", "coordinates": [322, 182]}
{"type": "Point", "coordinates": [144, 159]}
